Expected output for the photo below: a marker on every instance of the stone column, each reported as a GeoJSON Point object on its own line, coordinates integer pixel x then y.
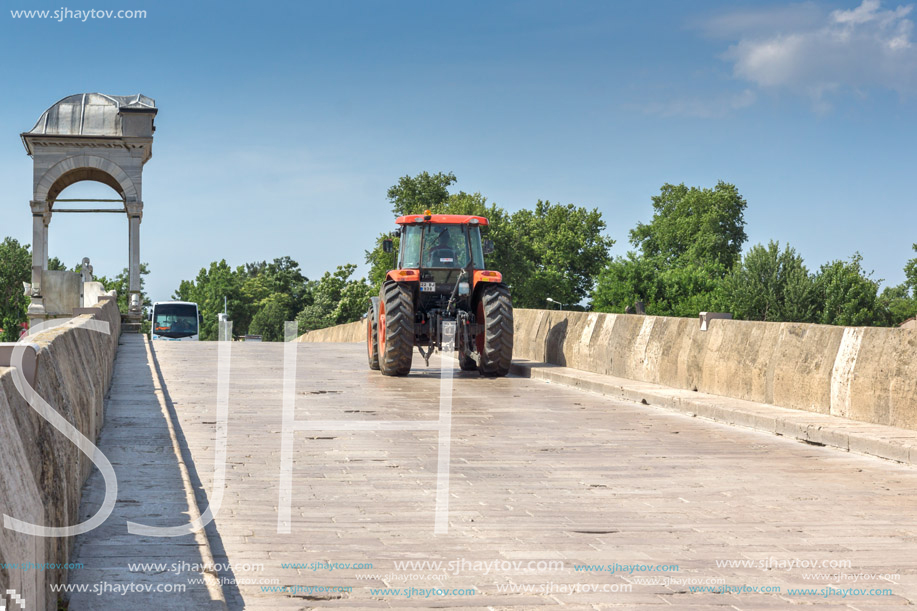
{"type": "Point", "coordinates": [41, 216]}
{"type": "Point", "coordinates": [44, 241]}
{"type": "Point", "coordinates": [134, 216]}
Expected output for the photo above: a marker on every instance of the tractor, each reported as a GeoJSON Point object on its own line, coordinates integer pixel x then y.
{"type": "Point", "coordinates": [440, 277]}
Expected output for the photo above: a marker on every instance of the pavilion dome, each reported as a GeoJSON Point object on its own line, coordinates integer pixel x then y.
{"type": "Point", "coordinates": [90, 114]}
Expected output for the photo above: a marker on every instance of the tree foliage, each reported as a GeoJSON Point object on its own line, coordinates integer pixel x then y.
{"type": "Point", "coordinates": [556, 251]}
{"type": "Point", "coordinates": [262, 296]}
{"type": "Point", "coordinates": [770, 284]}
{"type": "Point", "coordinates": [847, 294]}
{"type": "Point", "coordinates": [694, 226]}
{"type": "Point", "coordinates": [683, 254]}
{"type": "Point", "coordinates": [901, 301]}
{"type": "Point", "coordinates": [15, 268]}
{"type": "Point", "coordinates": [336, 299]}
{"type": "Point", "coordinates": [414, 194]}
{"type": "Point", "coordinates": [268, 321]}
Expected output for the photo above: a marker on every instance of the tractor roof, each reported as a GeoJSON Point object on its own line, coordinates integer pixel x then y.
{"type": "Point", "coordinates": [441, 219]}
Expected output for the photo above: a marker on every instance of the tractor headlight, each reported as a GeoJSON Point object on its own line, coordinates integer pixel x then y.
{"type": "Point", "coordinates": [464, 289]}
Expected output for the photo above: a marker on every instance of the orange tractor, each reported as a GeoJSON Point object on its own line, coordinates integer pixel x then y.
{"type": "Point", "coordinates": [441, 277]}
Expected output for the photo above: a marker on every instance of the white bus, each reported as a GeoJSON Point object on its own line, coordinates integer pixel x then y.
{"type": "Point", "coordinates": [175, 321]}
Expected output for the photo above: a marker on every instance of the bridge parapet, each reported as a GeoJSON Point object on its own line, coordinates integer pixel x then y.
{"type": "Point", "coordinates": [351, 332]}
{"type": "Point", "coordinates": [863, 373]}
{"type": "Point", "coordinates": [42, 472]}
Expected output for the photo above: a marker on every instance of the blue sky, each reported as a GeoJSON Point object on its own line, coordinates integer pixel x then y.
{"type": "Point", "coordinates": [282, 124]}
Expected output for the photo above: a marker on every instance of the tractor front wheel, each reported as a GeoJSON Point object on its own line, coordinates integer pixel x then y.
{"type": "Point", "coordinates": [372, 337]}
{"type": "Point", "coordinates": [396, 329]}
{"type": "Point", "coordinates": [495, 344]}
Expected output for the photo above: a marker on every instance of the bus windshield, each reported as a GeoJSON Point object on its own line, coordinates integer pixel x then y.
{"type": "Point", "coordinates": [175, 319]}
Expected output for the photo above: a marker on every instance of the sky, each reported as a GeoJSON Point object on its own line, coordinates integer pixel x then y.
{"type": "Point", "coordinates": [282, 124]}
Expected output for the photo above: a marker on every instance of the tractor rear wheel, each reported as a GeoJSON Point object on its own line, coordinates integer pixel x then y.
{"type": "Point", "coordinates": [372, 338]}
{"type": "Point", "coordinates": [495, 344]}
{"type": "Point", "coordinates": [396, 329]}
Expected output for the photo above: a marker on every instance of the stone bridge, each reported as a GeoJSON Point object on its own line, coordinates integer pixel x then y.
{"type": "Point", "coordinates": [628, 462]}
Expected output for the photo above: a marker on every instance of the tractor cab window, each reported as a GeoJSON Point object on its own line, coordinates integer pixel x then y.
{"type": "Point", "coordinates": [445, 246]}
{"type": "Point", "coordinates": [410, 247]}
{"type": "Point", "coordinates": [442, 246]}
{"type": "Point", "coordinates": [477, 251]}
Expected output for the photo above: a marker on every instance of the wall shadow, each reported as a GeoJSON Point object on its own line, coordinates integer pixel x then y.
{"type": "Point", "coordinates": [554, 344]}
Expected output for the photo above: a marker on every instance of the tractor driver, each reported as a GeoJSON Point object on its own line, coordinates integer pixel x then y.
{"type": "Point", "coordinates": [441, 254]}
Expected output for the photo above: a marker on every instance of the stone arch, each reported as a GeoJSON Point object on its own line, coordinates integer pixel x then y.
{"type": "Point", "coordinates": [80, 168]}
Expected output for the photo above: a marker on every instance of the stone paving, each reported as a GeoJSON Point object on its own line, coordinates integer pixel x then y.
{"type": "Point", "coordinates": [137, 441]}
{"type": "Point", "coordinates": [539, 473]}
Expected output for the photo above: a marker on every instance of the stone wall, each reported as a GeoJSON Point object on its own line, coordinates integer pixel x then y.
{"type": "Point", "coordinates": [351, 332]}
{"type": "Point", "coordinates": [41, 472]}
{"type": "Point", "coordinates": [867, 374]}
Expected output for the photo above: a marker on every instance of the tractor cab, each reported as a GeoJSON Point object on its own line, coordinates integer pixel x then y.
{"type": "Point", "coordinates": [441, 246]}
{"type": "Point", "coordinates": [444, 250]}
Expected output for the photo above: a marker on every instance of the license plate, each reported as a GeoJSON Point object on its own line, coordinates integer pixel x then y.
{"type": "Point", "coordinates": [427, 287]}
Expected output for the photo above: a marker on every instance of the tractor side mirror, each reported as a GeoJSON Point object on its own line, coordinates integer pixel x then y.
{"type": "Point", "coordinates": [149, 315]}
{"type": "Point", "coordinates": [387, 245]}
{"type": "Point", "coordinates": [200, 319]}
{"type": "Point", "coordinates": [488, 246]}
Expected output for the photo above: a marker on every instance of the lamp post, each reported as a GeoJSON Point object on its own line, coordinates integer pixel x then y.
{"type": "Point", "coordinates": [560, 306]}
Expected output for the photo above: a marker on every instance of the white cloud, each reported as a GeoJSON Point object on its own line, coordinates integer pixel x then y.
{"type": "Point", "coordinates": [858, 49]}
{"type": "Point", "coordinates": [749, 22]}
{"type": "Point", "coordinates": [701, 108]}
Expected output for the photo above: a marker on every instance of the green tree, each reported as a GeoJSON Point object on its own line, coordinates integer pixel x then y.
{"type": "Point", "coordinates": [624, 281]}
{"type": "Point", "coordinates": [910, 272]}
{"type": "Point", "coordinates": [770, 284]}
{"type": "Point", "coordinates": [15, 269]}
{"type": "Point", "coordinates": [414, 194]}
{"type": "Point", "coordinates": [279, 284]}
{"type": "Point", "coordinates": [901, 301]}
{"type": "Point", "coordinates": [848, 295]}
{"type": "Point", "coordinates": [897, 301]}
{"type": "Point", "coordinates": [555, 251]}
{"type": "Point", "coordinates": [694, 226]}
{"type": "Point", "coordinates": [269, 320]}
{"type": "Point", "coordinates": [336, 299]}
{"type": "Point", "coordinates": [55, 264]}
{"type": "Point", "coordinates": [669, 291]}
{"type": "Point", "coordinates": [694, 239]}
